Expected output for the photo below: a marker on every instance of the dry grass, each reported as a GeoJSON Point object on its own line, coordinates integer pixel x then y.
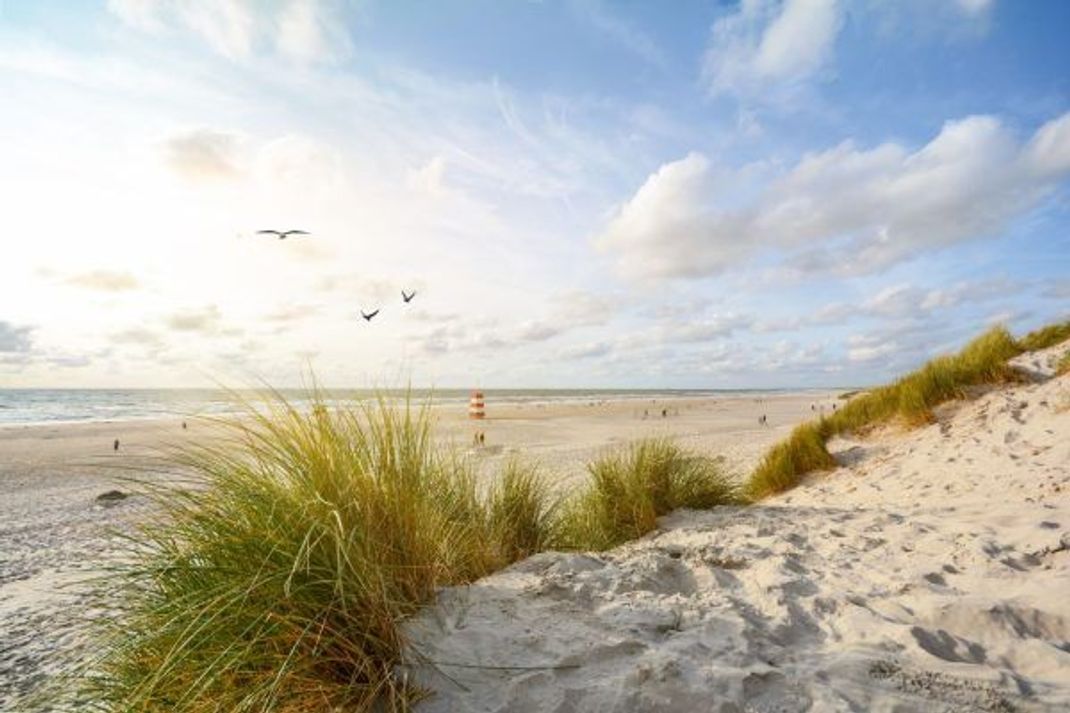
{"type": "Point", "coordinates": [278, 578]}
{"type": "Point", "coordinates": [523, 514]}
{"type": "Point", "coordinates": [277, 582]}
{"type": "Point", "coordinates": [1045, 337]}
{"type": "Point", "coordinates": [1063, 365]}
{"type": "Point", "coordinates": [909, 400]}
{"type": "Point", "coordinates": [628, 491]}
{"type": "Point", "coordinates": [782, 466]}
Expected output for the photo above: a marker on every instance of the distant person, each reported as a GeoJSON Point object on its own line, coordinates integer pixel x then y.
{"type": "Point", "coordinates": [664, 412]}
{"type": "Point", "coordinates": [115, 447]}
{"type": "Point", "coordinates": [482, 438]}
{"type": "Point", "coordinates": [646, 414]}
{"type": "Point", "coordinates": [183, 425]}
{"type": "Point", "coordinates": [812, 408]}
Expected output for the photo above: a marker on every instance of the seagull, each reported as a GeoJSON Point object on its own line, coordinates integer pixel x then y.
{"type": "Point", "coordinates": [368, 317]}
{"type": "Point", "coordinates": [407, 298]}
{"type": "Point", "coordinates": [283, 234]}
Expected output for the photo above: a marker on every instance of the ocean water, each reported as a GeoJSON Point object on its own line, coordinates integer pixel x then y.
{"type": "Point", "coordinates": [37, 406]}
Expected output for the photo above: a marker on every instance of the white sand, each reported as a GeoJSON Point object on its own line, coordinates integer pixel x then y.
{"type": "Point", "coordinates": [53, 531]}
{"type": "Point", "coordinates": [930, 573]}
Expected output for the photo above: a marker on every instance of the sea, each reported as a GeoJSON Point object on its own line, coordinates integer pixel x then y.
{"type": "Point", "coordinates": [49, 406]}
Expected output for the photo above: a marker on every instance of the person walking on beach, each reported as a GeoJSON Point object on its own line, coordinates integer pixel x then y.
{"type": "Point", "coordinates": [115, 447]}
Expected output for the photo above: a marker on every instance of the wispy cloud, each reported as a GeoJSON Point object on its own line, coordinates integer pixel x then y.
{"type": "Point", "coordinates": [302, 30]}
{"type": "Point", "coordinates": [204, 153]}
{"type": "Point", "coordinates": [104, 281]}
{"type": "Point", "coordinates": [769, 46]}
{"type": "Point", "coordinates": [626, 34]}
{"type": "Point", "coordinates": [205, 319]}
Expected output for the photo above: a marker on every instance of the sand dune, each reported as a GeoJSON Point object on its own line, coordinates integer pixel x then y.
{"type": "Point", "coordinates": [931, 572]}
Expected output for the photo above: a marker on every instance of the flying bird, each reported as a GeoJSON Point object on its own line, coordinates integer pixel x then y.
{"type": "Point", "coordinates": [283, 234]}
{"type": "Point", "coordinates": [407, 298]}
{"type": "Point", "coordinates": [368, 317]}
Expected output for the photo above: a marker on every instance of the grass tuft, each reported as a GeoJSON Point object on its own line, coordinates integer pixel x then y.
{"type": "Point", "coordinates": [783, 465]}
{"type": "Point", "coordinates": [629, 490]}
{"type": "Point", "coordinates": [909, 401]}
{"type": "Point", "coordinates": [1063, 365]}
{"type": "Point", "coordinates": [276, 581]}
{"type": "Point", "coordinates": [522, 511]}
{"type": "Point", "coordinates": [276, 577]}
{"type": "Point", "coordinates": [1045, 337]}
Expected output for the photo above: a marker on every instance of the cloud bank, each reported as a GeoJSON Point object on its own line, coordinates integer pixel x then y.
{"type": "Point", "coordinates": [846, 210]}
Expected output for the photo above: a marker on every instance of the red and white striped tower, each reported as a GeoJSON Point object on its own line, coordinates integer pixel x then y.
{"type": "Point", "coordinates": [476, 406]}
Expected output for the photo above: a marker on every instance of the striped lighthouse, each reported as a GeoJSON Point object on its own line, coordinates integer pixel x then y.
{"type": "Point", "coordinates": [476, 406]}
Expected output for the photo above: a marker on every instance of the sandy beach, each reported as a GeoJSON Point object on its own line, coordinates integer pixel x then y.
{"type": "Point", "coordinates": [929, 572]}
{"type": "Point", "coordinates": [54, 531]}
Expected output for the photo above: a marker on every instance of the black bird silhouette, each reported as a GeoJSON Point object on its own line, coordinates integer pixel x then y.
{"type": "Point", "coordinates": [368, 317]}
{"type": "Point", "coordinates": [283, 234]}
{"type": "Point", "coordinates": [407, 298]}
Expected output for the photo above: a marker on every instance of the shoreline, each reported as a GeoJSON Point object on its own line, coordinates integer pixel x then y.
{"type": "Point", "coordinates": [508, 398]}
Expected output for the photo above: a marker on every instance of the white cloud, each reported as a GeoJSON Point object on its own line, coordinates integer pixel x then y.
{"type": "Point", "coordinates": [716, 327]}
{"type": "Point", "coordinates": [586, 351]}
{"type": "Point", "coordinates": [847, 210]}
{"type": "Point", "coordinates": [104, 281]}
{"type": "Point", "coordinates": [867, 350]}
{"type": "Point", "coordinates": [430, 178]}
{"type": "Point", "coordinates": [14, 340]}
{"type": "Point", "coordinates": [767, 44]}
{"type": "Point", "coordinates": [1048, 153]}
{"type": "Point", "coordinates": [656, 233]}
{"type": "Point", "coordinates": [894, 301]}
{"type": "Point", "coordinates": [204, 153]}
{"type": "Point", "coordinates": [293, 313]}
{"type": "Point", "coordinates": [311, 31]}
{"type": "Point", "coordinates": [195, 320]}
{"type": "Point", "coordinates": [139, 336]}
{"type": "Point", "coordinates": [303, 30]}
{"type": "Point", "coordinates": [143, 14]}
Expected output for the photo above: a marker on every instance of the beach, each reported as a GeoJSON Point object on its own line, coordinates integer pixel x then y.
{"type": "Point", "coordinates": [54, 532]}
{"type": "Point", "coordinates": [928, 572]}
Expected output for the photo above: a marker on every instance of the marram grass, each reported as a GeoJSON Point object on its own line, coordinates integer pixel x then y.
{"type": "Point", "coordinates": [1063, 365]}
{"type": "Point", "coordinates": [909, 401]}
{"type": "Point", "coordinates": [629, 490]}
{"type": "Point", "coordinates": [1046, 337]}
{"type": "Point", "coordinates": [277, 577]}
{"type": "Point", "coordinates": [276, 582]}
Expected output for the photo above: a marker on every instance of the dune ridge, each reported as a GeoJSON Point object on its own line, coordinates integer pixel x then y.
{"type": "Point", "coordinates": [928, 571]}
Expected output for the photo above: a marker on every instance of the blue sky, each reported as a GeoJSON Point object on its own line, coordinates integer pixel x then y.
{"type": "Point", "coordinates": [584, 193]}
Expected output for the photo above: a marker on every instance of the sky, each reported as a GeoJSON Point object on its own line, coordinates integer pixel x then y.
{"type": "Point", "coordinates": [583, 193]}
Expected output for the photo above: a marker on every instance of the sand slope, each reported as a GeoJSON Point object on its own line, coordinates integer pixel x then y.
{"type": "Point", "coordinates": [930, 573]}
